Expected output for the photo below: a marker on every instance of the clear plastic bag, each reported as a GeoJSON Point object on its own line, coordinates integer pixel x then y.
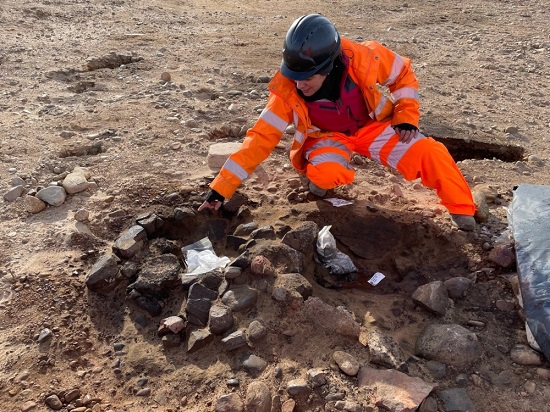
{"type": "Point", "coordinates": [336, 262]}
{"type": "Point", "coordinates": [200, 257]}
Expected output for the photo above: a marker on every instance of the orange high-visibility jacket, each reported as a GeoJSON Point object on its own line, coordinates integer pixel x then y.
{"type": "Point", "coordinates": [370, 64]}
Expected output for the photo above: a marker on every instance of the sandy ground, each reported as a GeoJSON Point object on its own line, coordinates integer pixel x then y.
{"type": "Point", "coordinates": [85, 83]}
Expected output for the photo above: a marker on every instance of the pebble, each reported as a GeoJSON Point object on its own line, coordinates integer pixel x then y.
{"type": "Point", "coordinates": [144, 392]}
{"type": "Point", "coordinates": [44, 334]}
{"type": "Point", "coordinates": [28, 406]}
{"type": "Point", "coordinates": [54, 402]}
{"type": "Point", "coordinates": [346, 362]}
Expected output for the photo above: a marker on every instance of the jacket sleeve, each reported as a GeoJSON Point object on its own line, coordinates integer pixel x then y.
{"type": "Point", "coordinates": [396, 73]}
{"type": "Point", "coordinates": [258, 144]}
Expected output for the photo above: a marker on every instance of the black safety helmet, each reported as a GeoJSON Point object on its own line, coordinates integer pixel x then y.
{"type": "Point", "coordinates": [311, 45]}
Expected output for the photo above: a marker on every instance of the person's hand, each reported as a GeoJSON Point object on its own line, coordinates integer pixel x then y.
{"type": "Point", "coordinates": [216, 204]}
{"type": "Point", "coordinates": [406, 132]}
{"type": "Point", "coordinates": [213, 201]}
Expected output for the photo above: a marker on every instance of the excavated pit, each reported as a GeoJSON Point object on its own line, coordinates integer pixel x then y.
{"type": "Point", "coordinates": [406, 248]}
{"type": "Point", "coordinates": [462, 149]}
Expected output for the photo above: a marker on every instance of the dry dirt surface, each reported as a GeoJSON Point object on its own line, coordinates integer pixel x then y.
{"type": "Point", "coordinates": [137, 91]}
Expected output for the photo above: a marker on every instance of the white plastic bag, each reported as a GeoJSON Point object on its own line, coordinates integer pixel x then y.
{"type": "Point", "coordinates": [200, 257]}
{"type": "Point", "coordinates": [336, 262]}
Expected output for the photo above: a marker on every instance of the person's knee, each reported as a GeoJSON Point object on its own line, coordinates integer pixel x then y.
{"type": "Point", "coordinates": [329, 175]}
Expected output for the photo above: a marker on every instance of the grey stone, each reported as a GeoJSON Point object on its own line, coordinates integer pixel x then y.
{"type": "Point", "coordinates": [54, 402]}
{"type": "Point", "coordinates": [52, 195]}
{"type": "Point", "coordinates": [198, 339]}
{"type": "Point", "coordinates": [199, 291]}
{"type": "Point", "coordinates": [234, 340]}
{"type": "Point", "coordinates": [457, 287]}
{"type": "Point", "coordinates": [245, 229]}
{"type": "Point", "coordinates": [233, 272]}
{"type": "Point", "coordinates": [437, 369]}
{"type": "Point", "coordinates": [75, 182]}
{"type": "Point", "coordinates": [346, 362]}
{"type": "Point", "coordinates": [44, 335]}
{"type": "Point", "coordinates": [256, 331]}
{"type": "Point", "coordinates": [524, 355]}
{"type": "Point", "coordinates": [130, 242]}
{"type": "Point", "coordinates": [456, 400]}
{"type": "Point", "coordinates": [151, 223]}
{"type": "Point", "coordinates": [17, 181]}
{"type": "Point", "coordinates": [450, 344]}
{"type": "Point", "coordinates": [317, 377]}
{"type": "Point", "coordinates": [148, 303]}
{"type": "Point", "coordinates": [220, 319]}
{"type": "Point", "coordinates": [104, 276]}
{"type": "Point", "coordinates": [240, 298]}
{"type": "Point", "coordinates": [254, 364]}
{"type": "Point", "coordinates": [14, 193]}
{"type": "Point", "coordinates": [264, 232]}
{"type": "Point", "coordinates": [198, 311]}
{"type": "Point", "coordinates": [298, 387]}
{"type": "Point", "coordinates": [433, 297]}
{"type": "Point", "coordinates": [303, 238]}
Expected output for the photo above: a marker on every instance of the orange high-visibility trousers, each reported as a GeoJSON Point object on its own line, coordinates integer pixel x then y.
{"type": "Point", "coordinates": [329, 166]}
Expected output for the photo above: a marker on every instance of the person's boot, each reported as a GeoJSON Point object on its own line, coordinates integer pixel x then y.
{"type": "Point", "coordinates": [316, 190]}
{"type": "Point", "coordinates": [464, 222]}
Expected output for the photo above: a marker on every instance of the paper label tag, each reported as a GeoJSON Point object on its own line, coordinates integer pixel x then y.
{"type": "Point", "coordinates": [338, 202]}
{"type": "Point", "coordinates": [376, 278]}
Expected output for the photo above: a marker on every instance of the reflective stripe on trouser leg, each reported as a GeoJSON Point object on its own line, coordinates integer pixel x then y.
{"type": "Point", "coordinates": [328, 161]}
{"type": "Point", "coordinates": [431, 161]}
{"type": "Point", "coordinates": [422, 158]}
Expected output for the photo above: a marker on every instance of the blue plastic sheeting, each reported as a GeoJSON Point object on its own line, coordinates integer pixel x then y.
{"type": "Point", "coordinates": [529, 220]}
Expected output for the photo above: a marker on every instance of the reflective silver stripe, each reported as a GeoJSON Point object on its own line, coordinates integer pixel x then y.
{"type": "Point", "coordinates": [400, 149]}
{"type": "Point", "coordinates": [328, 143]}
{"type": "Point", "coordinates": [331, 157]}
{"type": "Point", "coordinates": [396, 68]}
{"type": "Point", "coordinates": [379, 142]}
{"type": "Point", "coordinates": [274, 120]}
{"type": "Point", "coordinates": [381, 105]}
{"type": "Point", "coordinates": [296, 119]}
{"type": "Point", "coordinates": [407, 92]}
{"type": "Point", "coordinates": [299, 137]}
{"type": "Point", "coordinates": [235, 168]}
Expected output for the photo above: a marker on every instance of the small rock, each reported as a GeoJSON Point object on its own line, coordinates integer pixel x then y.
{"type": "Point", "coordinates": [33, 204]}
{"type": "Point", "coordinates": [13, 193]}
{"type": "Point", "coordinates": [28, 406]}
{"type": "Point", "coordinates": [346, 362]}
{"type": "Point", "coordinates": [524, 355]}
{"type": "Point", "coordinates": [54, 402]}
{"type": "Point", "coordinates": [81, 215]}
{"type": "Point", "coordinates": [44, 334]}
{"type": "Point", "coordinates": [144, 392]}
{"type": "Point", "coordinates": [298, 387]}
